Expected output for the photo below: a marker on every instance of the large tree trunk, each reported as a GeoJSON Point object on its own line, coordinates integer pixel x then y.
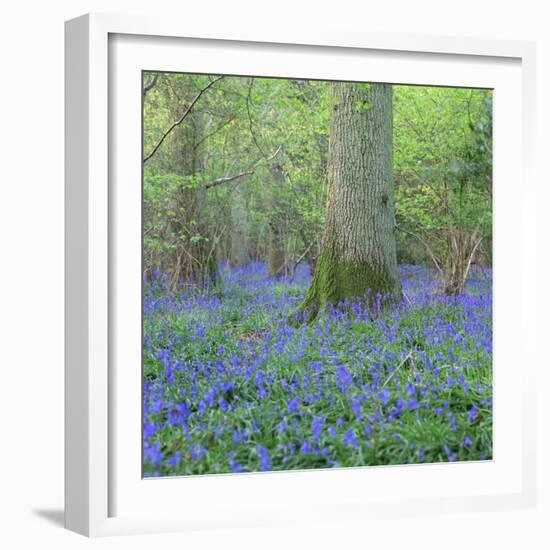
{"type": "Point", "coordinates": [358, 252]}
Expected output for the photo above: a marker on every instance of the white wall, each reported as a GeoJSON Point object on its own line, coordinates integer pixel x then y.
{"type": "Point", "coordinates": [31, 272]}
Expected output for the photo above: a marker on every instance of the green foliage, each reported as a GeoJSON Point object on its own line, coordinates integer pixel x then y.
{"type": "Point", "coordinates": [276, 131]}
{"type": "Point", "coordinates": [240, 123]}
{"type": "Point", "coordinates": [443, 164]}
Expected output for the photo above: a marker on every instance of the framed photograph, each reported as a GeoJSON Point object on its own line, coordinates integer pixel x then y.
{"type": "Point", "coordinates": [295, 276]}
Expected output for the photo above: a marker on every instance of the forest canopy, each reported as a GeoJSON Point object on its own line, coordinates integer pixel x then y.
{"type": "Point", "coordinates": [235, 170]}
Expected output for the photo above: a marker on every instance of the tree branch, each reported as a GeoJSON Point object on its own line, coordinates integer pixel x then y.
{"type": "Point", "coordinates": [150, 84]}
{"type": "Point", "coordinates": [249, 172]}
{"type": "Point", "coordinates": [227, 179]}
{"type": "Point", "coordinates": [470, 258]}
{"type": "Point", "coordinates": [214, 132]}
{"type": "Point", "coordinates": [426, 245]}
{"type": "Point", "coordinates": [181, 119]}
{"type": "Point", "coordinates": [299, 260]}
{"type": "Point", "coordinates": [250, 125]}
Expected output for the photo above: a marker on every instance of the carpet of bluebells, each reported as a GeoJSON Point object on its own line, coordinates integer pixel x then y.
{"type": "Point", "coordinates": [231, 385]}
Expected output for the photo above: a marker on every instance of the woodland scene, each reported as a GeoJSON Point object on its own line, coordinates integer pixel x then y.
{"type": "Point", "coordinates": [317, 283]}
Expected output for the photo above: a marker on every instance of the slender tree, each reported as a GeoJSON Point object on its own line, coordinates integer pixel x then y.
{"type": "Point", "coordinates": [276, 252]}
{"type": "Point", "coordinates": [358, 252]}
{"type": "Point", "coordinates": [193, 258]}
{"type": "Point", "coordinates": [239, 254]}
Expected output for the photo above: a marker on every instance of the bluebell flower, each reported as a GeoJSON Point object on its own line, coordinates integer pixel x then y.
{"type": "Point", "coordinates": [318, 423]}
{"type": "Point", "coordinates": [152, 453]}
{"type": "Point", "coordinates": [149, 429]}
{"type": "Point", "coordinates": [472, 413]}
{"type": "Point", "coordinates": [350, 438]}
{"type": "Point", "coordinates": [293, 405]}
{"type": "Point", "coordinates": [451, 456]}
{"type": "Point", "coordinates": [356, 408]}
{"type": "Point", "coordinates": [265, 460]}
{"type": "Point", "coordinates": [413, 405]}
{"type": "Point", "coordinates": [452, 421]}
{"type": "Point", "coordinates": [384, 396]}
{"type": "Point", "coordinates": [197, 452]}
{"type": "Point", "coordinates": [344, 379]}
{"type": "Point", "coordinates": [235, 466]}
{"type": "Point", "coordinates": [175, 459]}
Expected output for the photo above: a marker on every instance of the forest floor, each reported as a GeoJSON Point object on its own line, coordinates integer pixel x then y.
{"type": "Point", "coordinates": [231, 386]}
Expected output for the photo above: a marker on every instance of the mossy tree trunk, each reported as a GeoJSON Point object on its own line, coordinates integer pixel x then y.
{"type": "Point", "coordinates": [358, 251]}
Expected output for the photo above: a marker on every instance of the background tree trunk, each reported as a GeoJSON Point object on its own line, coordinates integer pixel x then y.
{"type": "Point", "coordinates": [358, 252]}
{"type": "Point", "coordinates": [195, 259]}
{"type": "Point", "coordinates": [239, 228]}
{"type": "Point", "coordinates": [276, 238]}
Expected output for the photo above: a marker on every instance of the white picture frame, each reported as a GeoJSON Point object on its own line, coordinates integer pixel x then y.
{"type": "Point", "coordinates": [104, 491]}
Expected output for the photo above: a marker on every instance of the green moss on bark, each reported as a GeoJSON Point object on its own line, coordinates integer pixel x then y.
{"type": "Point", "coordinates": [335, 281]}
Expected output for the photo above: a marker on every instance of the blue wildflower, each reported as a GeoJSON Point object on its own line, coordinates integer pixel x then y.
{"type": "Point", "coordinates": [351, 439]}
{"type": "Point", "coordinates": [472, 413]}
{"type": "Point", "coordinates": [318, 423]}
{"type": "Point", "coordinates": [384, 396]}
{"type": "Point", "coordinates": [344, 379]}
{"type": "Point", "coordinates": [233, 464]}
{"type": "Point", "coordinates": [265, 460]}
{"type": "Point", "coordinates": [152, 453]}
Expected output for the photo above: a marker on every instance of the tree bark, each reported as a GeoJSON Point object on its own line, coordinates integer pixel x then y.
{"type": "Point", "coordinates": [276, 239]}
{"type": "Point", "coordinates": [358, 252]}
{"type": "Point", "coordinates": [239, 228]}
{"type": "Point", "coordinates": [195, 260]}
